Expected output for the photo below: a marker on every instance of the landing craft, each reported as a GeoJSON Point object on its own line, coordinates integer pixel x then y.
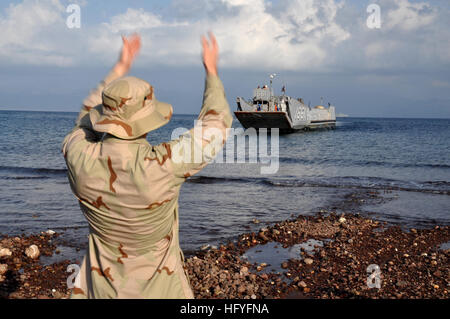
{"type": "Point", "coordinates": [266, 110]}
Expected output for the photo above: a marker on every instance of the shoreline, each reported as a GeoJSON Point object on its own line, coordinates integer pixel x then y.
{"type": "Point", "coordinates": [411, 264]}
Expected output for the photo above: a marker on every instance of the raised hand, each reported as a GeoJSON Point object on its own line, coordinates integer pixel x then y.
{"type": "Point", "coordinates": [130, 49]}
{"type": "Point", "coordinates": [210, 54]}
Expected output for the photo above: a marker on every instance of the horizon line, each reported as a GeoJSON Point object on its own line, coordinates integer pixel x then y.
{"type": "Point", "coordinates": [347, 116]}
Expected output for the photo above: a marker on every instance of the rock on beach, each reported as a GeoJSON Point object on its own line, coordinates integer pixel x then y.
{"type": "Point", "coordinates": [32, 252]}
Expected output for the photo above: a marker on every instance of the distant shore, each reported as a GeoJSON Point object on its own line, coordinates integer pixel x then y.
{"type": "Point", "coordinates": [411, 263]}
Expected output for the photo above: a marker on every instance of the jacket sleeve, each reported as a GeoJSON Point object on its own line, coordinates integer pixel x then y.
{"type": "Point", "coordinates": [194, 149]}
{"type": "Point", "coordinates": [83, 130]}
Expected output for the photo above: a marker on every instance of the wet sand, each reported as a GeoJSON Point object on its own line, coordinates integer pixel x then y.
{"type": "Point", "coordinates": [321, 256]}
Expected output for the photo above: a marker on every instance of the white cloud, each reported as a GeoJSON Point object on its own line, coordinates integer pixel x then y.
{"type": "Point", "coordinates": [28, 31]}
{"type": "Point", "coordinates": [412, 37]}
{"type": "Point", "coordinates": [134, 20]}
{"type": "Point", "coordinates": [249, 33]}
{"type": "Point", "coordinates": [409, 16]}
{"type": "Point", "coordinates": [81, 3]}
{"type": "Point", "coordinates": [380, 48]}
{"type": "Point", "coordinates": [295, 38]}
{"type": "Point", "coordinates": [316, 35]}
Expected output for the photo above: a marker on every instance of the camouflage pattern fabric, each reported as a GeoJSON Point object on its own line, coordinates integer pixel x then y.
{"type": "Point", "coordinates": [128, 191]}
{"type": "Point", "coordinates": [129, 109]}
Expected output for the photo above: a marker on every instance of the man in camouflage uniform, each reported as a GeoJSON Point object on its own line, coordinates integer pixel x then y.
{"type": "Point", "coordinates": [128, 189]}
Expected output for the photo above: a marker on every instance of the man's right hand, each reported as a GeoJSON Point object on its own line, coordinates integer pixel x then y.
{"type": "Point", "coordinates": [210, 54]}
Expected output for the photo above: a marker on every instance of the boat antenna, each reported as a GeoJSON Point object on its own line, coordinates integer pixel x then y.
{"type": "Point", "coordinates": [283, 89]}
{"type": "Point", "coordinates": [272, 76]}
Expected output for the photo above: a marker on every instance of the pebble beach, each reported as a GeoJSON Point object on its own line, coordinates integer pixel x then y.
{"type": "Point", "coordinates": [330, 261]}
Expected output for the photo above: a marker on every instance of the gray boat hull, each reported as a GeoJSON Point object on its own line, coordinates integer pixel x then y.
{"type": "Point", "coordinates": [266, 110]}
{"type": "Point", "coordinates": [279, 120]}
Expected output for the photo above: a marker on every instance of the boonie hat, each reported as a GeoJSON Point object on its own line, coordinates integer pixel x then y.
{"type": "Point", "coordinates": [130, 109]}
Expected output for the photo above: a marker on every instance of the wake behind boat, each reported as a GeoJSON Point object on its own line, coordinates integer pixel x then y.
{"type": "Point", "coordinates": [266, 110]}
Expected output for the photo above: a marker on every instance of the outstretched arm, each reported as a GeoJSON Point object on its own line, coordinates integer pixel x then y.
{"type": "Point", "coordinates": [130, 49]}
{"type": "Point", "coordinates": [210, 54]}
{"type": "Point", "coordinates": [83, 129]}
{"type": "Point", "coordinates": [197, 147]}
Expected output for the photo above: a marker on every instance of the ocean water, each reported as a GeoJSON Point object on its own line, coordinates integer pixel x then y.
{"type": "Point", "coordinates": [405, 162]}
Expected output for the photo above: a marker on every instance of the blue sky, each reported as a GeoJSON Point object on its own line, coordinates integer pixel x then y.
{"type": "Point", "coordinates": [317, 48]}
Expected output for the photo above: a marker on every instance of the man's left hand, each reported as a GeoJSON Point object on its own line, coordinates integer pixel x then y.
{"type": "Point", "coordinates": [130, 49]}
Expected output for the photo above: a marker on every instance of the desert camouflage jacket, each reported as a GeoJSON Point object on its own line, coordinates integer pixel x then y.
{"type": "Point", "coordinates": [128, 191]}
